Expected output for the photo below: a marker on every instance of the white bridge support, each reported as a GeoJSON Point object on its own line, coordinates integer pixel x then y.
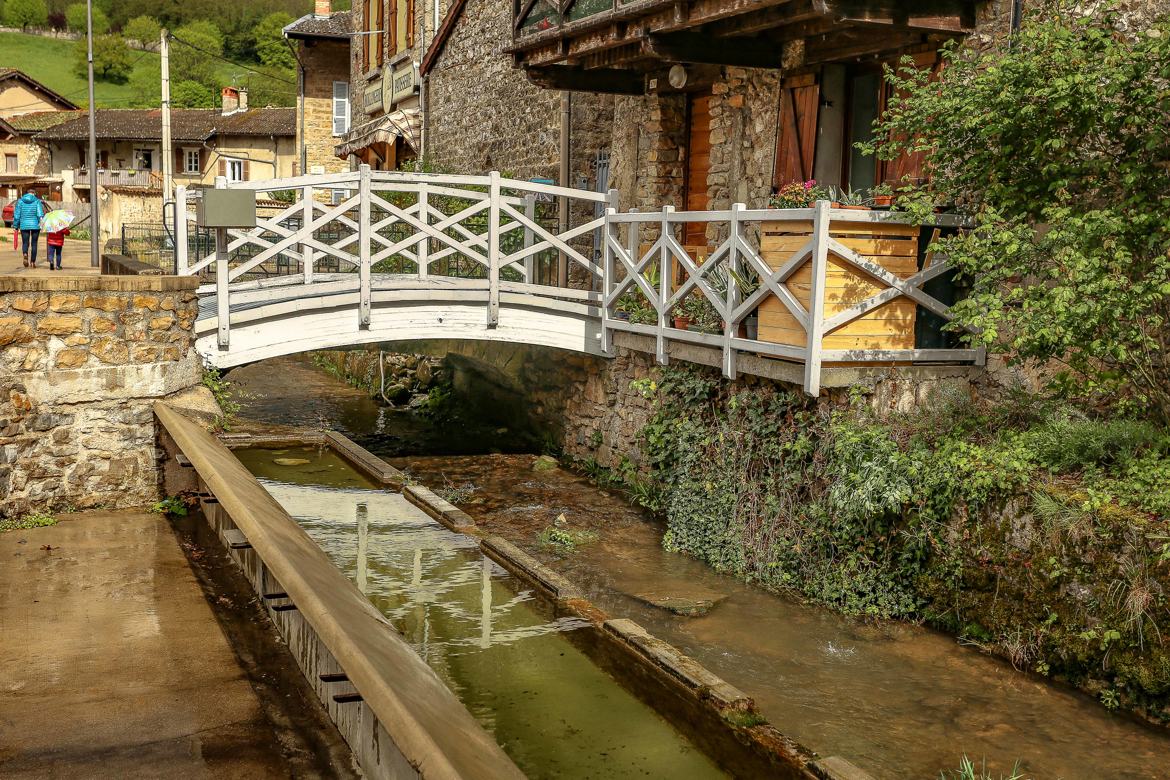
{"type": "Point", "coordinates": [362, 257]}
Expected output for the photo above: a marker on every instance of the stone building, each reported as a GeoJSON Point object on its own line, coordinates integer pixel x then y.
{"type": "Point", "coordinates": [26, 108]}
{"type": "Point", "coordinates": [323, 95]}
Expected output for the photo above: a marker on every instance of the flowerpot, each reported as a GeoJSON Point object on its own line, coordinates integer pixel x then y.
{"type": "Point", "coordinates": [883, 201]}
{"type": "Point", "coordinates": [855, 208]}
{"type": "Point", "coordinates": [622, 315]}
{"type": "Point", "coordinates": [682, 323]}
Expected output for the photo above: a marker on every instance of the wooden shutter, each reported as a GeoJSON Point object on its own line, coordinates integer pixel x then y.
{"type": "Point", "coordinates": [247, 170]}
{"type": "Point", "coordinates": [222, 167]}
{"type": "Point", "coordinates": [698, 164]}
{"type": "Point", "coordinates": [180, 164]}
{"type": "Point", "coordinates": [796, 140]}
{"type": "Point", "coordinates": [907, 165]}
{"type": "Point", "coordinates": [409, 23]}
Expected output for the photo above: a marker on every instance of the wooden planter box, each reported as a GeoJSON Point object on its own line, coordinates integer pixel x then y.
{"type": "Point", "coordinates": [892, 246]}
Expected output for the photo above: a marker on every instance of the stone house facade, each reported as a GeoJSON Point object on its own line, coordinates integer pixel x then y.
{"type": "Point", "coordinates": [26, 108]}
{"type": "Point", "coordinates": [323, 96]}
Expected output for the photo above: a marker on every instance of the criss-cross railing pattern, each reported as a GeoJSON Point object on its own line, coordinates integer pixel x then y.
{"type": "Point", "coordinates": [476, 237]}
{"type": "Point", "coordinates": [735, 282]}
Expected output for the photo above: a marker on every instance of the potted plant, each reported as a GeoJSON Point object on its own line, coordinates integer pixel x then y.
{"type": "Point", "coordinates": [701, 314]}
{"type": "Point", "coordinates": [798, 195]}
{"type": "Point", "coordinates": [882, 197]}
{"type": "Point", "coordinates": [850, 198]}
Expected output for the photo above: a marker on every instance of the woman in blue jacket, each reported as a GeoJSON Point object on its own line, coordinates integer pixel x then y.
{"type": "Point", "coordinates": [26, 217]}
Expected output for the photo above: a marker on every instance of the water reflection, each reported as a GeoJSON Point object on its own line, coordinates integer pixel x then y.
{"type": "Point", "coordinates": [497, 646]}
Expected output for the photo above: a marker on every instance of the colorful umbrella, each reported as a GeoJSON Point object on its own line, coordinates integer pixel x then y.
{"type": "Point", "coordinates": [57, 220]}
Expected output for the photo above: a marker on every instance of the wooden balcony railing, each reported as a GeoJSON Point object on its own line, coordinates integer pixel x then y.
{"type": "Point", "coordinates": [118, 177]}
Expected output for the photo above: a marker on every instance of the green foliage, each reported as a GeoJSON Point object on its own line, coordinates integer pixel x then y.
{"type": "Point", "coordinates": [174, 506]}
{"type": "Point", "coordinates": [193, 57]}
{"type": "Point", "coordinates": [967, 771]}
{"type": "Point", "coordinates": [1055, 146]}
{"type": "Point", "coordinates": [25, 13]}
{"type": "Point", "coordinates": [191, 94]}
{"type": "Point", "coordinates": [25, 522]}
{"type": "Point", "coordinates": [144, 29]}
{"type": "Point", "coordinates": [271, 47]}
{"type": "Point", "coordinates": [112, 61]}
{"type": "Point", "coordinates": [798, 195]}
{"type": "Point", "coordinates": [75, 19]}
{"type": "Point", "coordinates": [562, 539]}
{"type": "Point", "coordinates": [227, 398]}
{"type": "Point", "coordinates": [1028, 528]}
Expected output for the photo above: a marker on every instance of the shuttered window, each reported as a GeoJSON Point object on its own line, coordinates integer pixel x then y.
{"type": "Point", "coordinates": [800, 100]}
{"type": "Point", "coordinates": [340, 107]}
{"type": "Point", "coordinates": [909, 166]}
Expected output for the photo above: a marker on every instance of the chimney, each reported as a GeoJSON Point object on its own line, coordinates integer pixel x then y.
{"type": "Point", "coordinates": [243, 98]}
{"type": "Point", "coordinates": [323, 9]}
{"type": "Point", "coordinates": [231, 100]}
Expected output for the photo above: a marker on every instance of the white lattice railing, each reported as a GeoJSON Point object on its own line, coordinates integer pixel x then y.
{"type": "Point", "coordinates": [643, 253]}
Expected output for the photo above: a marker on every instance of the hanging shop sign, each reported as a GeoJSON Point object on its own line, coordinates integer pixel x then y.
{"type": "Point", "coordinates": [399, 84]}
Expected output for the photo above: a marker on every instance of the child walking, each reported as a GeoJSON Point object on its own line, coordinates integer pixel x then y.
{"type": "Point", "coordinates": [56, 243]}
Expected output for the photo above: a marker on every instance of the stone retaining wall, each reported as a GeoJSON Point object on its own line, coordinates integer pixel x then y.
{"type": "Point", "coordinates": [81, 360]}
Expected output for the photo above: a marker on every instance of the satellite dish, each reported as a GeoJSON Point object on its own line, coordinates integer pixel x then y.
{"type": "Point", "coordinates": [677, 76]}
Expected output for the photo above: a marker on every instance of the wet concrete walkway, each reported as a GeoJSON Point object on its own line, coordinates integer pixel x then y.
{"type": "Point", "coordinates": [112, 663]}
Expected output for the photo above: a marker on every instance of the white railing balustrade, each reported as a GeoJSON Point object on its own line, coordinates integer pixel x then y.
{"type": "Point", "coordinates": [829, 286]}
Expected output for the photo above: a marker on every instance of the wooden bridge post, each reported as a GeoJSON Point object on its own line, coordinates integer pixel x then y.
{"type": "Point", "coordinates": [665, 269]}
{"type": "Point", "coordinates": [816, 303]}
{"type": "Point", "coordinates": [530, 261]}
{"type": "Point", "coordinates": [423, 252]}
{"type": "Point", "coordinates": [181, 263]}
{"type": "Point", "coordinates": [222, 305]}
{"type": "Point", "coordinates": [493, 313]}
{"type": "Point", "coordinates": [364, 246]}
{"type": "Point", "coordinates": [306, 220]}
{"type": "Point", "coordinates": [731, 300]}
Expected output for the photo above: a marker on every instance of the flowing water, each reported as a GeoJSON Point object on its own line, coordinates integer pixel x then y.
{"type": "Point", "coordinates": [498, 647]}
{"type": "Point", "coordinates": [897, 700]}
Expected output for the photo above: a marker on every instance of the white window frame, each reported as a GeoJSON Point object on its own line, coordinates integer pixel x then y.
{"type": "Point", "coordinates": [232, 165]}
{"type": "Point", "coordinates": [340, 108]}
{"type": "Point", "coordinates": [192, 156]}
{"type": "Point", "coordinates": [337, 197]}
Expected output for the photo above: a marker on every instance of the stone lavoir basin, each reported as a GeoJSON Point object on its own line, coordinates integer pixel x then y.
{"type": "Point", "coordinates": [498, 646]}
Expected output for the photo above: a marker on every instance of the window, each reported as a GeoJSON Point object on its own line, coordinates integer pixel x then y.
{"type": "Point", "coordinates": [235, 170]}
{"type": "Point", "coordinates": [143, 159]}
{"type": "Point", "coordinates": [340, 107]}
{"type": "Point", "coordinates": [10, 163]}
{"type": "Point", "coordinates": [337, 197]}
{"type": "Point", "coordinates": [373, 18]}
{"type": "Point", "coordinates": [192, 162]}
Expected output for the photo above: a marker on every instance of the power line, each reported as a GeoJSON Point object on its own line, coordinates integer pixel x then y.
{"type": "Point", "coordinates": [232, 62]}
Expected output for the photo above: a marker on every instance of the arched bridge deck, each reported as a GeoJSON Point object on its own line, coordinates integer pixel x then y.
{"type": "Point", "coordinates": [364, 257]}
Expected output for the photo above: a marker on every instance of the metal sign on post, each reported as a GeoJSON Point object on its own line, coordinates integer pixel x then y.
{"type": "Point", "coordinates": [222, 208]}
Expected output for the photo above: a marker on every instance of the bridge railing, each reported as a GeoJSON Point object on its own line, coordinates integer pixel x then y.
{"type": "Point", "coordinates": [818, 286]}
{"type": "Point", "coordinates": [366, 232]}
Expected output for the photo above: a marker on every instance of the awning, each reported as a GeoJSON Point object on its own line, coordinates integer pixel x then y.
{"type": "Point", "coordinates": [405, 123]}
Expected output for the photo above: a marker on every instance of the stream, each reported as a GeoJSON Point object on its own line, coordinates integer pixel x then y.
{"type": "Point", "coordinates": [896, 699]}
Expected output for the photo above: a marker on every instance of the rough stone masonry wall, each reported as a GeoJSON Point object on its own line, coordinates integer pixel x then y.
{"type": "Point", "coordinates": [81, 361]}
{"type": "Point", "coordinates": [325, 62]}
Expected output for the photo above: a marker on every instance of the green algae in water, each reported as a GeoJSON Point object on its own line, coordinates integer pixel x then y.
{"type": "Point", "coordinates": [313, 465]}
{"type": "Point", "coordinates": [494, 643]}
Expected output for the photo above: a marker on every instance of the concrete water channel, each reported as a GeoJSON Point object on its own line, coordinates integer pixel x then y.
{"type": "Point", "coordinates": [898, 700]}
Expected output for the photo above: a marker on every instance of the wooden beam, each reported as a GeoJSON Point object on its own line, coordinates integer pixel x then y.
{"type": "Point", "coordinates": [612, 81]}
{"type": "Point", "coordinates": [953, 16]}
{"type": "Point", "coordinates": [705, 49]}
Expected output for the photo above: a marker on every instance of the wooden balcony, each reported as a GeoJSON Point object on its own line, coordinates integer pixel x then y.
{"type": "Point", "coordinates": [613, 45]}
{"type": "Point", "coordinates": [116, 177]}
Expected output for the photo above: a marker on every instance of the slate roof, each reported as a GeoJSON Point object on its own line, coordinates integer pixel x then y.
{"type": "Point", "coordinates": [338, 25]}
{"type": "Point", "coordinates": [187, 124]}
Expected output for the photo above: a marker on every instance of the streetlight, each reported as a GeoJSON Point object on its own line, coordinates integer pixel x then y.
{"type": "Point", "coordinates": [94, 230]}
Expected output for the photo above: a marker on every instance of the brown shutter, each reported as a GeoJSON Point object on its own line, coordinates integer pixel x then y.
{"type": "Point", "coordinates": [222, 167]}
{"type": "Point", "coordinates": [908, 165]}
{"type": "Point", "coordinates": [796, 140]}
{"type": "Point", "coordinates": [392, 27]}
{"type": "Point", "coordinates": [409, 23]}
{"type": "Point", "coordinates": [247, 169]}
{"type": "Point", "coordinates": [180, 164]}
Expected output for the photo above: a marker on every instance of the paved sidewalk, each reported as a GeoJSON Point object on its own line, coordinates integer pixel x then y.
{"type": "Point", "coordinates": [74, 258]}
{"type": "Point", "coordinates": [112, 663]}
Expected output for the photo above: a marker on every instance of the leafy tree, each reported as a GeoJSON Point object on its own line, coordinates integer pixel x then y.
{"type": "Point", "coordinates": [1056, 145]}
{"type": "Point", "coordinates": [26, 13]}
{"type": "Point", "coordinates": [112, 60]}
{"type": "Point", "coordinates": [193, 55]}
{"type": "Point", "coordinates": [144, 29]}
{"type": "Point", "coordinates": [75, 19]}
{"type": "Point", "coordinates": [271, 47]}
{"type": "Point", "coordinates": [192, 94]}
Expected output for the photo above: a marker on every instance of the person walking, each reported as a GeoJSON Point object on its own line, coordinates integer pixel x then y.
{"type": "Point", "coordinates": [55, 240]}
{"type": "Point", "coordinates": [26, 217]}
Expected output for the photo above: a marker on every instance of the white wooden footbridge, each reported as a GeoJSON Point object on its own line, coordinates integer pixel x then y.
{"type": "Point", "coordinates": [365, 257]}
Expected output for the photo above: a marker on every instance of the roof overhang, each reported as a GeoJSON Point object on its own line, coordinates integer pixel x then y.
{"type": "Point", "coordinates": [604, 50]}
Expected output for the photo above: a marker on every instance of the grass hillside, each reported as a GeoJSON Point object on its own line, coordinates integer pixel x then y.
{"type": "Point", "coordinates": [50, 61]}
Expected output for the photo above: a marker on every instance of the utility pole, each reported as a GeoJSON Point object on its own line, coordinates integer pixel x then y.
{"type": "Point", "coordinates": [168, 156]}
{"type": "Point", "coordinates": [95, 226]}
